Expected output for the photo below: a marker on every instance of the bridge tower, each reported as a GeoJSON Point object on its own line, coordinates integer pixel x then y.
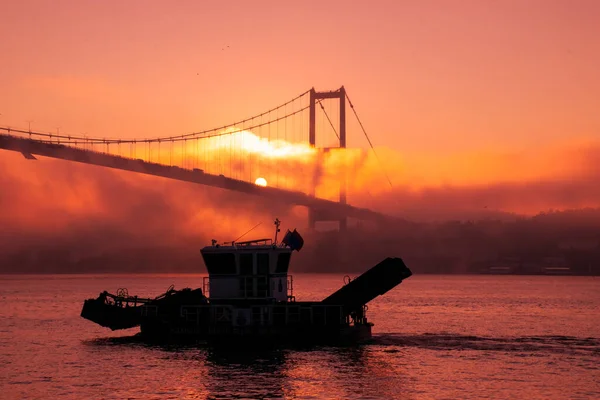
{"type": "Point", "coordinates": [315, 215]}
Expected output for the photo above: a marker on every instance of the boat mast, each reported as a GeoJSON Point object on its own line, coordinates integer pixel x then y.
{"type": "Point", "coordinates": [277, 223]}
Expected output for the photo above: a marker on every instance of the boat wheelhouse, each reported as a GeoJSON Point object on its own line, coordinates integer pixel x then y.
{"type": "Point", "coordinates": [251, 270]}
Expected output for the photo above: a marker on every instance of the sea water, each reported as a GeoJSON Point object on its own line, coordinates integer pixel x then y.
{"type": "Point", "coordinates": [435, 336]}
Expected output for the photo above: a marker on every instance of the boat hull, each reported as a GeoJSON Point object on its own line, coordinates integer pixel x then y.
{"type": "Point", "coordinates": [242, 336]}
{"type": "Point", "coordinates": [111, 316]}
{"type": "Point", "coordinates": [129, 312]}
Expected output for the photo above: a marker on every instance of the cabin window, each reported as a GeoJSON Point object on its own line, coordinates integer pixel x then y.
{"type": "Point", "coordinates": [220, 263]}
{"type": "Point", "coordinates": [283, 262]}
{"type": "Point", "coordinates": [247, 287]}
{"type": "Point", "coordinates": [262, 286]}
{"type": "Point", "coordinates": [262, 263]}
{"type": "Point", "coordinates": [246, 267]}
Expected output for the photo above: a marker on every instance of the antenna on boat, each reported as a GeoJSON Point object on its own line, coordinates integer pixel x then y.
{"type": "Point", "coordinates": [254, 227]}
{"type": "Point", "coordinates": [277, 223]}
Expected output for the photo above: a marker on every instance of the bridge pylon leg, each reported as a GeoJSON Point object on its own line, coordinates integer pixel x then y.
{"type": "Point", "coordinates": [315, 96]}
{"type": "Point", "coordinates": [314, 216]}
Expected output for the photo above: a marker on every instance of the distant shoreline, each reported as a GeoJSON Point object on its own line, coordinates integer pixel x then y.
{"type": "Point", "coordinates": [294, 273]}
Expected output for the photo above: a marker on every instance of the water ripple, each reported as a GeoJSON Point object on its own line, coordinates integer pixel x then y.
{"type": "Point", "coordinates": [533, 344]}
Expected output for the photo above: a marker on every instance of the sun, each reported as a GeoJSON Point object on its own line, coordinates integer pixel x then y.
{"type": "Point", "coordinates": [260, 182]}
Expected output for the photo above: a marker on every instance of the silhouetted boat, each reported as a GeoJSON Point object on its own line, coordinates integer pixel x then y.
{"type": "Point", "coordinates": [249, 295]}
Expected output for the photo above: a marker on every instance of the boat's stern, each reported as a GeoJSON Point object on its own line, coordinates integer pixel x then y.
{"type": "Point", "coordinates": [113, 316]}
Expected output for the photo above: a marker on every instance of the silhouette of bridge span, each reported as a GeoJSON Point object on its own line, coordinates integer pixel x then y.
{"type": "Point", "coordinates": [83, 150]}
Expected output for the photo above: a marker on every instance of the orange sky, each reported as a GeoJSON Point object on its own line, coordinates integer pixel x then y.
{"type": "Point", "coordinates": [428, 76]}
{"type": "Point", "coordinates": [466, 95]}
{"type": "Point", "coordinates": [477, 108]}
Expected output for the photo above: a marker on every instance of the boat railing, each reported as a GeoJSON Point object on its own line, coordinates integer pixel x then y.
{"type": "Point", "coordinates": [290, 288]}
{"type": "Point", "coordinates": [149, 310]}
{"type": "Point", "coordinates": [123, 299]}
{"type": "Point", "coordinates": [256, 242]}
{"type": "Point", "coordinates": [274, 314]}
{"type": "Point", "coordinates": [250, 286]}
{"type": "Point", "coordinates": [193, 313]}
{"type": "Point", "coordinates": [359, 316]}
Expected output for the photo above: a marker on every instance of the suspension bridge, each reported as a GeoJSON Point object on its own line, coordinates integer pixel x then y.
{"type": "Point", "coordinates": [276, 154]}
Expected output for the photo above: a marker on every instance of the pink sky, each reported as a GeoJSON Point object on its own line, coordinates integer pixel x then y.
{"type": "Point", "coordinates": [427, 76]}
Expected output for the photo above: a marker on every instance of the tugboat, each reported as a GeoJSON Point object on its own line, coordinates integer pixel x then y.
{"type": "Point", "coordinates": [248, 295]}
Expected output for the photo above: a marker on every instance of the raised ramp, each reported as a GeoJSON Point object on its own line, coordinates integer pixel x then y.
{"type": "Point", "coordinates": [378, 280]}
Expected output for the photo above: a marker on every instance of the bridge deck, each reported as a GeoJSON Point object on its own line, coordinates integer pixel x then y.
{"type": "Point", "coordinates": [326, 209]}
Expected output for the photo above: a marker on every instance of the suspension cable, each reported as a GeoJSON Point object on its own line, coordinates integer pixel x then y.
{"type": "Point", "coordinates": [74, 140]}
{"type": "Point", "coordinates": [328, 119]}
{"type": "Point", "coordinates": [369, 140]}
{"type": "Point", "coordinates": [200, 134]}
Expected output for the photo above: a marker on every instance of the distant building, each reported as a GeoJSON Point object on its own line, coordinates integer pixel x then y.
{"type": "Point", "coordinates": [555, 266]}
{"type": "Point", "coordinates": [579, 244]}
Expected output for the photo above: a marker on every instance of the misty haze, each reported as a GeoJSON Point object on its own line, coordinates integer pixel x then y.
{"type": "Point", "coordinates": [300, 200]}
